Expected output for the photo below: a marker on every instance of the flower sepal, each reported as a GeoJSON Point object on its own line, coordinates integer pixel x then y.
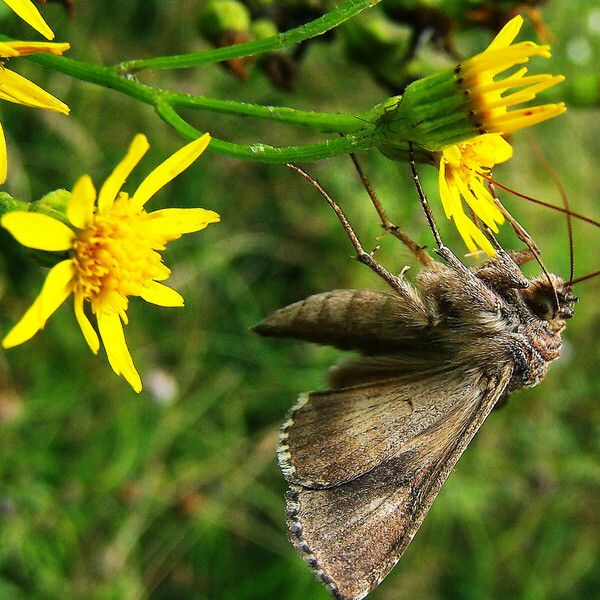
{"type": "Point", "coordinates": [54, 204]}
{"type": "Point", "coordinates": [432, 113]}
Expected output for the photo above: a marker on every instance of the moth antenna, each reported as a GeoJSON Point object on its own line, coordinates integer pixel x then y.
{"type": "Point", "coordinates": [564, 196]}
{"type": "Point", "coordinates": [584, 277]}
{"type": "Point", "coordinates": [362, 256]}
{"type": "Point", "coordinates": [574, 214]}
{"type": "Point", "coordinates": [414, 247]}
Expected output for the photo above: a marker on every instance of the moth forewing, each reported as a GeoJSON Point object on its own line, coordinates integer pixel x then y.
{"type": "Point", "coordinates": [336, 436]}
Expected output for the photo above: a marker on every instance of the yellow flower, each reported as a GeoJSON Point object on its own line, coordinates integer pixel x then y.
{"type": "Point", "coordinates": [460, 178]}
{"type": "Point", "coordinates": [487, 96]}
{"type": "Point", "coordinates": [114, 250]}
{"type": "Point", "coordinates": [15, 88]}
{"type": "Point", "coordinates": [31, 15]}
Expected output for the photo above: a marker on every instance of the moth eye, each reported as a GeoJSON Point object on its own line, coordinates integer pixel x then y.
{"type": "Point", "coordinates": [543, 307]}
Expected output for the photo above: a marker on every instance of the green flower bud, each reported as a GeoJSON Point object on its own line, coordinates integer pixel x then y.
{"type": "Point", "coordinates": [220, 16]}
{"type": "Point", "coordinates": [263, 28]}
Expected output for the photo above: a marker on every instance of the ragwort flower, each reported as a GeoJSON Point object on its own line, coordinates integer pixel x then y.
{"type": "Point", "coordinates": [113, 248]}
{"type": "Point", "coordinates": [462, 166]}
{"type": "Point", "coordinates": [15, 88]}
{"type": "Point", "coordinates": [476, 97]}
{"type": "Point", "coordinates": [460, 177]}
{"type": "Point", "coordinates": [31, 15]}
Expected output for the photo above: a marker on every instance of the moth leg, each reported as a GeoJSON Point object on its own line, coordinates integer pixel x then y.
{"type": "Point", "coordinates": [418, 250]}
{"type": "Point", "coordinates": [397, 283]}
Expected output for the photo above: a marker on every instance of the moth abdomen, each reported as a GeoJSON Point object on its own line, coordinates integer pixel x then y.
{"type": "Point", "coordinates": [348, 319]}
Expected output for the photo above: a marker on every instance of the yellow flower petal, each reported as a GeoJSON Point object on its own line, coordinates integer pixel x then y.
{"type": "Point", "coordinates": [507, 34]}
{"type": "Point", "coordinates": [81, 205]}
{"type": "Point", "coordinates": [472, 236]}
{"type": "Point", "coordinates": [38, 231]}
{"type": "Point", "coordinates": [481, 208]}
{"type": "Point", "coordinates": [497, 148]}
{"type": "Point", "coordinates": [111, 332]}
{"type": "Point", "coordinates": [163, 272]}
{"type": "Point", "coordinates": [169, 169]}
{"type": "Point", "coordinates": [157, 293]}
{"type": "Point", "coordinates": [31, 15]}
{"type": "Point", "coordinates": [113, 184]}
{"type": "Point", "coordinates": [174, 222]}
{"type": "Point", "coordinates": [3, 156]}
{"type": "Point", "coordinates": [86, 327]}
{"type": "Point", "coordinates": [8, 49]}
{"type": "Point", "coordinates": [444, 191]}
{"type": "Point", "coordinates": [15, 88]}
{"type": "Point", "coordinates": [57, 287]}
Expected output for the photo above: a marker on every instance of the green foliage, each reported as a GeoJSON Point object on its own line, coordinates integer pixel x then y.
{"type": "Point", "coordinates": [175, 494]}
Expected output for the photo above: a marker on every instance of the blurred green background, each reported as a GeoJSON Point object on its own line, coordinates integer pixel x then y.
{"type": "Point", "coordinates": [175, 493]}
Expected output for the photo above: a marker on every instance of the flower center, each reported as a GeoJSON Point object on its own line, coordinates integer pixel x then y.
{"type": "Point", "coordinates": [116, 256]}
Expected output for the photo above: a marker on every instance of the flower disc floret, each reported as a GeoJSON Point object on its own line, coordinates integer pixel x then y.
{"type": "Point", "coordinates": [117, 254]}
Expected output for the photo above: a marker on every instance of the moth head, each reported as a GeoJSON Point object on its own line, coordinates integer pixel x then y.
{"type": "Point", "coordinates": [549, 298]}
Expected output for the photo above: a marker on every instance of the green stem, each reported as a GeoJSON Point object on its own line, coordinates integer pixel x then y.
{"type": "Point", "coordinates": [345, 11]}
{"type": "Point", "coordinates": [107, 77]}
{"type": "Point", "coordinates": [269, 154]}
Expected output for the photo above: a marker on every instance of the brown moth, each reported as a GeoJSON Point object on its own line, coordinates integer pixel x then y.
{"type": "Point", "coordinates": [366, 458]}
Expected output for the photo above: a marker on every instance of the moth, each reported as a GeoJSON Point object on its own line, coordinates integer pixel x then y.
{"type": "Point", "coordinates": [366, 458]}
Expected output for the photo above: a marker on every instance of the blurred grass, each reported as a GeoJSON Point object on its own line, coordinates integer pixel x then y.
{"type": "Point", "coordinates": [175, 493]}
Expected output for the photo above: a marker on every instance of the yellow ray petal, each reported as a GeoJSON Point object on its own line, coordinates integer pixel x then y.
{"type": "Point", "coordinates": [38, 231]}
{"type": "Point", "coordinates": [81, 205]}
{"type": "Point", "coordinates": [3, 156]}
{"type": "Point", "coordinates": [507, 34]}
{"type": "Point", "coordinates": [8, 49]}
{"type": "Point", "coordinates": [30, 14]}
{"type": "Point", "coordinates": [54, 292]}
{"type": "Point", "coordinates": [157, 293]}
{"type": "Point", "coordinates": [470, 234]}
{"type": "Point", "coordinates": [111, 332]}
{"type": "Point", "coordinates": [498, 148]}
{"type": "Point", "coordinates": [163, 272]}
{"type": "Point", "coordinates": [16, 88]}
{"type": "Point", "coordinates": [444, 191]}
{"type": "Point", "coordinates": [174, 222]}
{"type": "Point", "coordinates": [86, 327]}
{"type": "Point", "coordinates": [483, 209]}
{"type": "Point", "coordinates": [169, 169]}
{"type": "Point", "coordinates": [113, 184]}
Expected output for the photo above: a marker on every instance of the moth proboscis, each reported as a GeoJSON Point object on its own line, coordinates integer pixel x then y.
{"type": "Point", "coordinates": [366, 458]}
